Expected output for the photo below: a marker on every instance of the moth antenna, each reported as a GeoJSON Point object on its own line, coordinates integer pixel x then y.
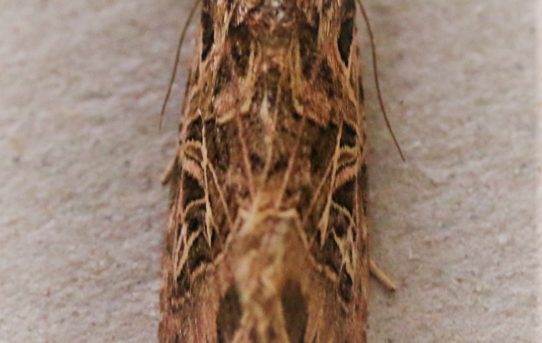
{"type": "Point", "coordinates": [177, 58]}
{"type": "Point", "coordinates": [377, 83]}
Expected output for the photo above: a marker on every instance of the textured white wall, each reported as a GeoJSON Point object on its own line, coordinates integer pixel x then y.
{"type": "Point", "coordinates": [82, 212]}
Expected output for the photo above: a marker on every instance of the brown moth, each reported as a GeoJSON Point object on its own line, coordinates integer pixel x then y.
{"type": "Point", "coordinates": [267, 239]}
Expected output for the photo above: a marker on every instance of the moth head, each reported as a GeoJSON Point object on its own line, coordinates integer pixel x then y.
{"type": "Point", "coordinates": [268, 18]}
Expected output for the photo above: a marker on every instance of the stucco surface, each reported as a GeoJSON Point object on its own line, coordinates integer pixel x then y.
{"type": "Point", "coordinates": [82, 211]}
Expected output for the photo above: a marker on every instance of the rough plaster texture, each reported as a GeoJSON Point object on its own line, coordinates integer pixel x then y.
{"type": "Point", "coordinates": [82, 212]}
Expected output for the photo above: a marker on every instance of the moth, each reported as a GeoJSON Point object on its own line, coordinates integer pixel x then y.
{"type": "Point", "coordinates": [267, 238]}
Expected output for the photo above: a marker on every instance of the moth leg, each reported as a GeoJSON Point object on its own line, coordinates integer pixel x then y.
{"type": "Point", "coordinates": [381, 276]}
{"type": "Point", "coordinates": [166, 175]}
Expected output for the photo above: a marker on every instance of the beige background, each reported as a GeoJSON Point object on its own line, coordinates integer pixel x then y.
{"type": "Point", "coordinates": [82, 212]}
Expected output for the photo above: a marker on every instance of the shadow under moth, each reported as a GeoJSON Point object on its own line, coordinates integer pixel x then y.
{"type": "Point", "coordinates": [267, 238]}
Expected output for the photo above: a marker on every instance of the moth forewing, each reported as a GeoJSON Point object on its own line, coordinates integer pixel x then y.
{"type": "Point", "coordinates": [267, 240]}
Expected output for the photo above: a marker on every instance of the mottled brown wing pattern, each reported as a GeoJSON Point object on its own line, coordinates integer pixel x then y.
{"type": "Point", "coordinates": [267, 239]}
